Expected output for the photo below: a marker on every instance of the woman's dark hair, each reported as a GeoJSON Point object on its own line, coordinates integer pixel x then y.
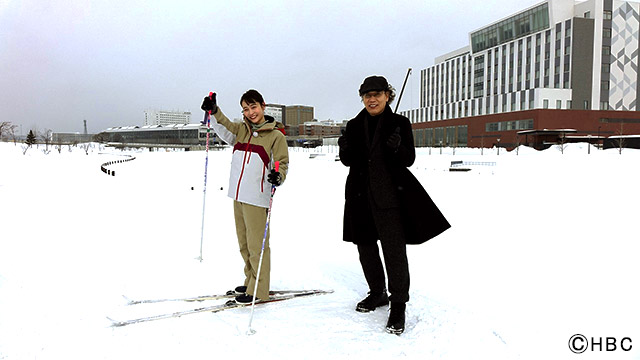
{"type": "Point", "coordinates": [252, 96]}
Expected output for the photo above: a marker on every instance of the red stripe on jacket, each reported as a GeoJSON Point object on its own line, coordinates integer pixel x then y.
{"type": "Point", "coordinates": [251, 148]}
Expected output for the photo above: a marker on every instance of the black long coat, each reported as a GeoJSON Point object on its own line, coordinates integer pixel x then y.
{"type": "Point", "coordinates": [377, 172]}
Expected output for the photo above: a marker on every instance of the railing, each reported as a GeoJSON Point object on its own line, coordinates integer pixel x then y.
{"type": "Point", "coordinates": [104, 169]}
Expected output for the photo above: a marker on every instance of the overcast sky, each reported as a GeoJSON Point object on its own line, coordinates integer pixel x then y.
{"type": "Point", "coordinates": [107, 61]}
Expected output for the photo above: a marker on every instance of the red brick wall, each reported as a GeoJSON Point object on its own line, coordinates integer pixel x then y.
{"type": "Point", "coordinates": [586, 122]}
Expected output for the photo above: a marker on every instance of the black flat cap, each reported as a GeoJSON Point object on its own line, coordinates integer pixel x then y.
{"type": "Point", "coordinates": [373, 83]}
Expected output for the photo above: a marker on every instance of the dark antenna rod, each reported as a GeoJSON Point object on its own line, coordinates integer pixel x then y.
{"type": "Point", "coordinates": [402, 91]}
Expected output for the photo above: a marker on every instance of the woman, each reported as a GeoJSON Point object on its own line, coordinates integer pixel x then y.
{"type": "Point", "coordinates": [258, 143]}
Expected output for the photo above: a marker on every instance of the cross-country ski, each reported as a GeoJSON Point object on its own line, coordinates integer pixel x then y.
{"type": "Point", "coordinates": [278, 296]}
{"type": "Point", "coordinates": [200, 298]}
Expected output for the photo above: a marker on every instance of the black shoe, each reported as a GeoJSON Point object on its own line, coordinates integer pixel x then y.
{"type": "Point", "coordinates": [373, 301]}
{"type": "Point", "coordinates": [239, 290]}
{"type": "Point", "coordinates": [395, 325]}
{"type": "Point", "coordinates": [245, 299]}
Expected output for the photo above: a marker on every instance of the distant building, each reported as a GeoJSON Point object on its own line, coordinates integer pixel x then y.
{"type": "Point", "coordinates": [555, 65]}
{"type": "Point", "coordinates": [71, 138]}
{"type": "Point", "coordinates": [297, 115]}
{"type": "Point", "coordinates": [277, 111]}
{"type": "Point", "coordinates": [319, 128]}
{"type": "Point", "coordinates": [189, 136]}
{"type": "Point", "coordinates": [163, 117]}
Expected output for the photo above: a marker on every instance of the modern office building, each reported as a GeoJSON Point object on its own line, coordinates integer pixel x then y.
{"type": "Point", "coordinates": [163, 117]}
{"type": "Point", "coordinates": [296, 115]}
{"type": "Point", "coordinates": [560, 64]}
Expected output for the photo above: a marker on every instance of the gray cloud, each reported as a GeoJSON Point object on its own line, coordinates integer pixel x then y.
{"type": "Point", "coordinates": [107, 61]}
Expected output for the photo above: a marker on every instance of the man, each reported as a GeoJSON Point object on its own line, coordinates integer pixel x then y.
{"type": "Point", "coordinates": [383, 200]}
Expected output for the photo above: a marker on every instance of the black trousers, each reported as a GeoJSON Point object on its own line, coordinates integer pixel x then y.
{"type": "Point", "coordinates": [390, 231]}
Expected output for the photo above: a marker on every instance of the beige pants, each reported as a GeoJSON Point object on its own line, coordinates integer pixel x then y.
{"type": "Point", "coordinates": [250, 223]}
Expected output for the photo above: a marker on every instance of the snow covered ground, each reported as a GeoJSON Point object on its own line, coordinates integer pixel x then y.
{"type": "Point", "coordinates": [543, 246]}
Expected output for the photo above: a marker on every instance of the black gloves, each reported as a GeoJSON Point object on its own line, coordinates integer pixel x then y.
{"type": "Point", "coordinates": [274, 177]}
{"type": "Point", "coordinates": [342, 142]}
{"type": "Point", "coordinates": [210, 104]}
{"type": "Point", "coordinates": [393, 142]}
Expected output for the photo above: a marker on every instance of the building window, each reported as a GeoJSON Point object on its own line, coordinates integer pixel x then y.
{"type": "Point", "coordinates": [604, 85]}
{"type": "Point", "coordinates": [587, 15]}
{"type": "Point", "coordinates": [607, 15]}
{"type": "Point", "coordinates": [558, 104]}
{"type": "Point", "coordinates": [568, 104]}
{"type": "Point", "coordinates": [606, 50]}
{"type": "Point", "coordinates": [606, 68]}
{"type": "Point", "coordinates": [606, 33]}
{"type": "Point", "coordinates": [462, 136]}
{"type": "Point", "coordinates": [509, 125]}
{"type": "Point", "coordinates": [545, 103]}
{"type": "Point", "coordinates": [604, 105]}
{"type": "Point", "coordinates": [586, 104]}
{"type": "Point", "coordinates": [517, 26]}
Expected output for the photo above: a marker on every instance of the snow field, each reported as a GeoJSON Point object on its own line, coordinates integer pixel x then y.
{"type": "Point", "coordinates": [543, 245]}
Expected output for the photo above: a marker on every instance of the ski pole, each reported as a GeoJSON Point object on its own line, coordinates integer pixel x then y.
{"type": "Point", "coordinates": [250, 331]}
{"type": "Point", "coordinates": [207, 119]}
{"type": "Point", "coordinates": [402, 91]}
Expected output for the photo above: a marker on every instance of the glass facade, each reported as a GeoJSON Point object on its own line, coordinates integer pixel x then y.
{"type": "Point", "coordinates": [451, 136]}
{"type": "Point", "coordinates": [517, 26]}
{"type": "Point", "coordinates": [509, 125]}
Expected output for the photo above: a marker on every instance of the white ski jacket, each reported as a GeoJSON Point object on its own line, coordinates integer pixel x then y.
{"type": "Point", "coordinates": [254, 153]}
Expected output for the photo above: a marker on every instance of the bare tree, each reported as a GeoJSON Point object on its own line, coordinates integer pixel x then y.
{"type": "Point", "coordinates": [621, 139]}
{"type": "Point", "coordinates": [86, 147]}
{"type": "Point", "coordinates": [6, 129]}
{"type": "Point", "coordinates": [45, 136]}
{"type": "Point", "coordinates": [14, 137]}
{"type": "Point", "coordinates": [518, 143]}
{"type": "Point", "coordinates": [58, 143]}
{"type": "Point", "coordinates": [563, 143]}
{"type": "Point", "coordinates": [101, 137]}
